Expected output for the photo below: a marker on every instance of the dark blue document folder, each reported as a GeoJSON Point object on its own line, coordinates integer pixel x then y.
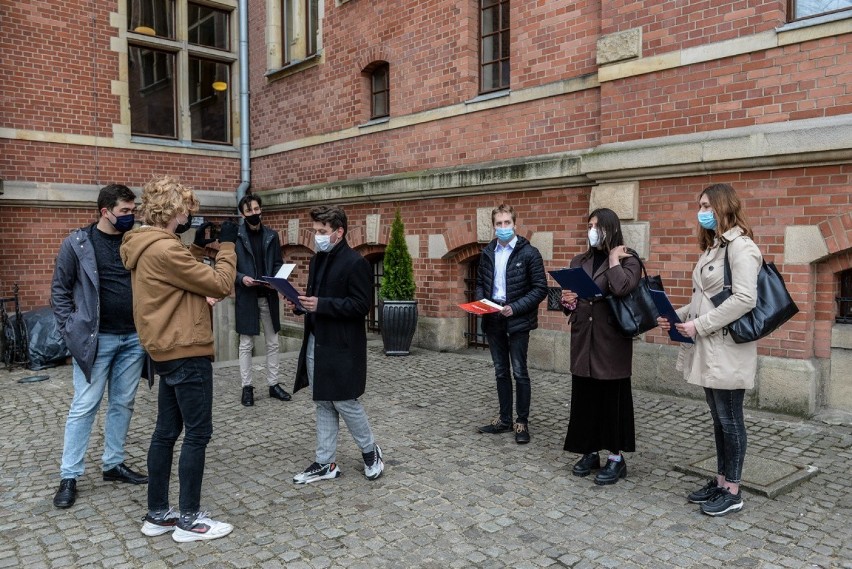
{"type": "Point", "coordinates": [667, 311]}
{"type": "Point", "coordinates": [577, 280]}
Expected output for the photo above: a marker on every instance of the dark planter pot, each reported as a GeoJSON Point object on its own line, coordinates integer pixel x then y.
{"type": "Point", "coordinates": [399, 321]}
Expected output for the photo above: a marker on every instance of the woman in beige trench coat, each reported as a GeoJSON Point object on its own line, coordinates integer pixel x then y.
{"type": "Point", "coordinates": [722, 367]}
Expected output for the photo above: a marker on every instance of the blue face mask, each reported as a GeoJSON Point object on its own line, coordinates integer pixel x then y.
{"type": "Point", "coordinates": [504, 234]}
{"type": "Point", "coordinates": [707, 220]}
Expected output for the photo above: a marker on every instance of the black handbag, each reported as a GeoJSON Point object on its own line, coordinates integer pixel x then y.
{"type": "Point", "coordinates": [774, 305]}
{"type": "Point", "coordinates": [636, 312]}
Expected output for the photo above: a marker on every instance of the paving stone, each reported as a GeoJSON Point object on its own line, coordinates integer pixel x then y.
{"type": "Point", "coordinates": [450, 496]}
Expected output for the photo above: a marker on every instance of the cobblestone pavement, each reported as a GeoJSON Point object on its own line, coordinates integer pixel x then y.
{"type": "Point", "coordinates": [450, 497]}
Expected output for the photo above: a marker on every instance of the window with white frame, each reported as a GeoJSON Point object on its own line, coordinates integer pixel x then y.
{"type": "Point", "coordinates": [180, 58]}
{"type": "Point", "coordinates": [800, 9]}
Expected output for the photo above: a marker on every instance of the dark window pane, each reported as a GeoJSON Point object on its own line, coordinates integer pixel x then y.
{"type": "Point", "coordinates": [490, 21]}
{"type": "Point", "coordinates": [207, 26]}
{"type": "Point", "coordinates": [490, 49]}
{"type": "Point", "coordinates": [504, 45]}
{"type": "Point", "coordinates": [504, 12]}
{"type": "Point", "coordinates": [209, 83]}
{"type": "Point", "coordinates": [312, 26]}
{"type": "Point", "coordinates": [490, 79]}
{"type": "Point", "coordinates": [504, 74]}
{"type": "Point", "coordinates": [380, 91]}
{"type": "Point", "coordinates": [288, 25]}
{"type": "Point", "coordinates": [807, 8]}
{"type": "Point", "coordinates": [152, 92]}
{"type": "Point", "coordinates": [152, 17]}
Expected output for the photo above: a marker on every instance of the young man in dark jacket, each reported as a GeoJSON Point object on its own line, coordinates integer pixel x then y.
{"type": "Point", "coordinates": [511, 273]}
{"type": "Point", "coordinates": [258, 255]}
{"type": "Point", "coordinates": [333, 358]}
{"type": "Point", "coordinates": [92, 302]}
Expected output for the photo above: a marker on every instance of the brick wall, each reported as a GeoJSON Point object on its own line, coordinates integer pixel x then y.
{"type": "Point", "coordinates": [669, 25]}
{"type": "Point", "coordinates": [795, 82]}
{"type": "Point", "coordinates": [551, 125]}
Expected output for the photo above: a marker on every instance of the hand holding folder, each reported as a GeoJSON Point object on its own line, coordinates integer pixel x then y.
{"type": "Point", "coordinates": [577, 280]}
{"type": "Point", "coordinates": [667, 311]}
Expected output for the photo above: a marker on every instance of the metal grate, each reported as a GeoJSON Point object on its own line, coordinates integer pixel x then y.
{"type": "Point", "coordinates": [475, 336]}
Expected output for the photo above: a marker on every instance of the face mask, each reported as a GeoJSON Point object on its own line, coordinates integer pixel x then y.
{"type": "Point", "coordinates": [253, 219]}
{"type": "Point", "coordinates": [504, 234]}
{"type": "Point", "coordinates": [123, 223]}
{"type": "Point", "coordinates": [182, 227]}
{"type": "Point", "coordinates": [707, 220]}
{"type": "Point", "coordinates": [596, 237]}
{"type": "Point", "coordinates": [323, 243]}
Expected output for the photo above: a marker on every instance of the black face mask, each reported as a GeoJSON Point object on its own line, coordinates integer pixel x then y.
{"type": "Point", "coordinates": [182, 227]}
{"type": "Point", "coordinates": [253, 219]}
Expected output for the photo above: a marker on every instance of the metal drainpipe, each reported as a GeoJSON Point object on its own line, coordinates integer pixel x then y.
{"type": "Point", "coordinates": [245, 159]}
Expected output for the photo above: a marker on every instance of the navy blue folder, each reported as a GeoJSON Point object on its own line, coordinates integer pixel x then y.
{"type": "Point", "coordinates": [577, 280]}
{"type": "Point", "coordinates": [667, 311]}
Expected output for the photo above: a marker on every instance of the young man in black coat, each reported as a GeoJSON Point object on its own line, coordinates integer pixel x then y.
{"type": "Point", "coordinates": [258, 255]}
{"type": "Point", "coordinates": [511, 273]}
{"type": "Point", "coordinates": [333, 358]}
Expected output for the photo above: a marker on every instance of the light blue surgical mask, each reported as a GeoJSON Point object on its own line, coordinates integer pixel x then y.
{"type": "Point", "coordinates": [707, 220]}
{"type": "Point", "coordinates": [504, 234]}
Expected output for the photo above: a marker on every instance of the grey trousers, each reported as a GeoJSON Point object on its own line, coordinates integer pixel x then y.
{"type": "Point", "coordinates": [328, 419]}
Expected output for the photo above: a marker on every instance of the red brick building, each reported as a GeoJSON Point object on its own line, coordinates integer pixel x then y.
{"type": "Point", "coordinates": [444, 109]}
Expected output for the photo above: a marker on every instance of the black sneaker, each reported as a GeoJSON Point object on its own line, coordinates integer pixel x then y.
{"type": "Point", "coordinates": [496, 427]}
{"type": "Point", "coordinates": [522, 433]}
{"type": "Point", "coordinates": [67, 493]}
{"type": "Point", "coordinates": [705, 493]}
{"type": "Point", "coordinates": [248, 396]}
{"type": "Point", "coordinates": [723, 503]}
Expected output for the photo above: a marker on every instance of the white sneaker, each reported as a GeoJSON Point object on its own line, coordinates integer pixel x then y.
{"type": "Point", "coordinates": [374, 470]}
{"type": "Point", "coordinates": [202, 528]}
{"type": "Point", "coordinates": [158, 526]}
{"type": "Point", "coordinates": [317, 471]}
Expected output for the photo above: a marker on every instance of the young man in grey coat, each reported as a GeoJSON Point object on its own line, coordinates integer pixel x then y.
{"type": "Point", "coordinates": [92, 302]}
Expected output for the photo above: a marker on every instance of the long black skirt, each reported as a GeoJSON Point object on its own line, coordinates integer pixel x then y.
{"type": "Point", "coordinates": [601, 416]}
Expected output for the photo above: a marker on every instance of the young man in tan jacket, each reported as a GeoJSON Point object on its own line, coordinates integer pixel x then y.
{"type": "Point", "coordinates": [171, 291]}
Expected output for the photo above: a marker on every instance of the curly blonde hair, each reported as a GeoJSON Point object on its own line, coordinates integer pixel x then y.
{"type": "Point", "coordinates": [164, 198]}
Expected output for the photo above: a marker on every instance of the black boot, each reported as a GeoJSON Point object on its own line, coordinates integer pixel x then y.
{"type": "Point", "coordinates": [586, 464]}
{"type": "Point", "coordinates": [248, 396]}
{"type": "Point", "coordinates": [611, 472]}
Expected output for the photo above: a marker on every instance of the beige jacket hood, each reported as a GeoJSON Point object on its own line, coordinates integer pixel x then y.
{"type": "Point", "coordinates": [715, 360]}
{"type": "Point", "coordinates": [170, 286]}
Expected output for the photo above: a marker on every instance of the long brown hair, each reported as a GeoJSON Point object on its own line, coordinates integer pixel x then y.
{"type": "Point", "coordinates": [728, 211]}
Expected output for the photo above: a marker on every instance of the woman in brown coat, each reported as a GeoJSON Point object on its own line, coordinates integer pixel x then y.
{"type": "Point", "coordinates": [722, 367]}
{"type": "Point", "coordinates": [601, 356]}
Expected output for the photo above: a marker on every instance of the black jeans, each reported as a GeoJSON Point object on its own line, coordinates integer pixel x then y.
{"type": "Point", "coordinates": [510, 349]}
{"type": "Point", "coordinates": [185, 400]}
{"type": "Point", "coordinates": [726, 407]}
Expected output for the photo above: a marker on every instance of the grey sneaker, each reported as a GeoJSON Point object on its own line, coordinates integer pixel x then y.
{"type": "Point", "coordinates": [373, 464]}
{"type": "Point", "coordinates": [316, 472]}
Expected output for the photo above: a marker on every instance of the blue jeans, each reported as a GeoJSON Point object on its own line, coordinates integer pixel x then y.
{"type": "Point", "coordinates": [510, 349]}
{"type": "Point", "coordinates": [185, 400]}
{"type": "Point", "coordinates": [726, 408]}
{"type": "Point", "coordinates": [117, 368]}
